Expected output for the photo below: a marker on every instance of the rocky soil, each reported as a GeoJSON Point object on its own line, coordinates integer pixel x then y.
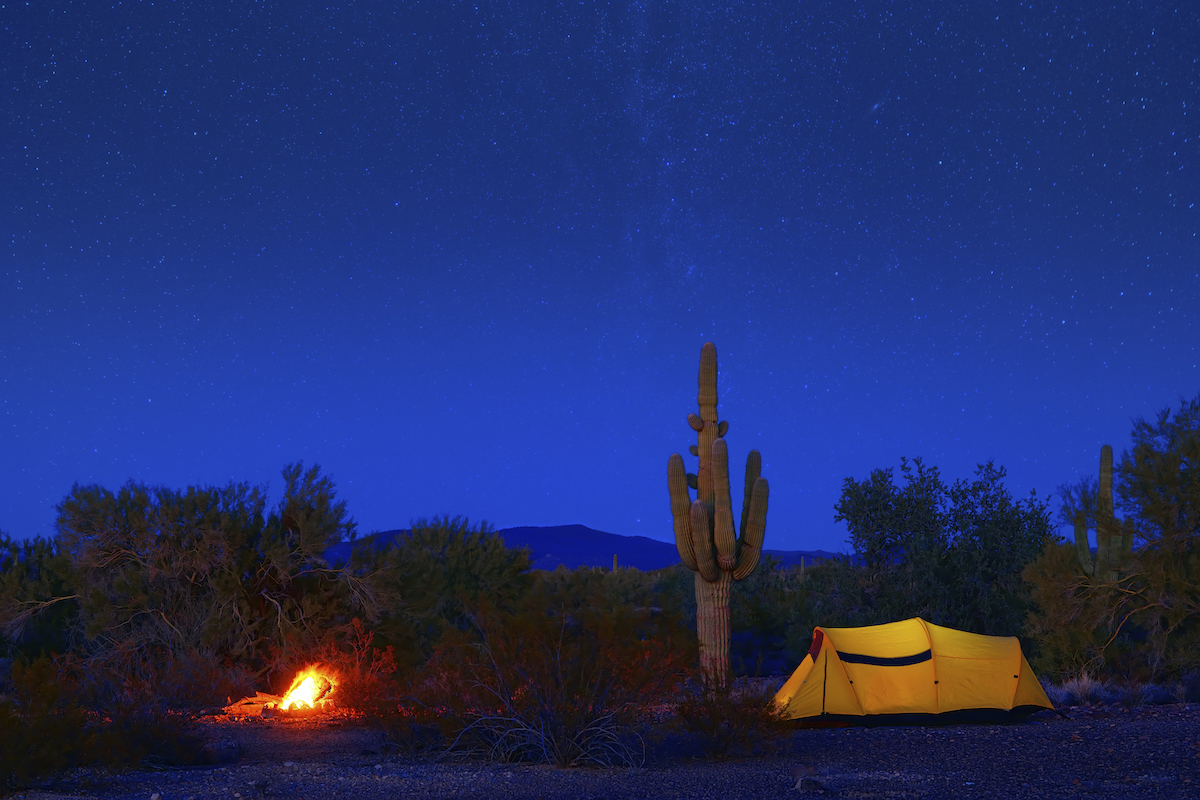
{"type": "Point", "coordinates": [1099, 752]}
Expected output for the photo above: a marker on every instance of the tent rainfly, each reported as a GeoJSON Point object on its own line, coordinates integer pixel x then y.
{"type": "Point", "coordinates": [910, 673]}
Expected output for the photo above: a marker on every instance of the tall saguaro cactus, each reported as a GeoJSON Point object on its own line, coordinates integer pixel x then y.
{"type": "Point", "coordinates": [704, 532]}
{"type": "Point", "coordinates": [1114, 539]}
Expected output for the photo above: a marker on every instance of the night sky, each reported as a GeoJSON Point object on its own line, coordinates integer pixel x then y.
{"type": "Point", "coordinates": [464, 255]}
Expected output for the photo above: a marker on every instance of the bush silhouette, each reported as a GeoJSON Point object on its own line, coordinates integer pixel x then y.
{"type": "Point", "coordinates": [561, 680]}
{"type": "Point", "coordinates": [45, 728]}
{"type": "Point", "coordinates": [1140, 621]}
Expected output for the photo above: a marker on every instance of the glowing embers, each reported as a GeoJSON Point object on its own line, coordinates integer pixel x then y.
{"type": "Point", "coordinates": [311, 689]}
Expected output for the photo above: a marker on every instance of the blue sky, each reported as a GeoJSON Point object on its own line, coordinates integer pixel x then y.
{"type": "Point", "coordinates": [464, 256]}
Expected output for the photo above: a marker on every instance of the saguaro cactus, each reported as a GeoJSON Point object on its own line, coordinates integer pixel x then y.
{"type": "Point", "coordinates": [1114, 538]}
{"type": "Point", "coordinates": [704, 532]}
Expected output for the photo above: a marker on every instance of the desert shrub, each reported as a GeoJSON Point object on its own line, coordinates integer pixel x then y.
{"type": "Point", "coordinates": [1145, 625]}
{"type": "Point", "coordinates": [765, 608]}
{"type": "Point", "coordinates": [624, 587]}
{"type": "Point", "coordinates": [563, 680]}
{"type": "Point", "coordinates": [1068, 624]}
{"type": "Point", "coordinates": [143, 736]}
{"type": "Point", "coordinates": [1084, 688]}
{"type": "Point", "coordinates": [41, 732]}
{"type": "Point", "coordinates": [46, 727]}
{"type": "Point", "coordinates": [168, 588]}
{"type": "Point", "coordinates": [1132, 694]}
{"type": "Point", "coordinates": [428, 579]}
{"type": "Point", "coordinates": [739, 718]}
{"type": "Point", "coordinates": [371, 683]}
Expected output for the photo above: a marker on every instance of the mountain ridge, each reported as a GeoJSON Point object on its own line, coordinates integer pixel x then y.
{"type": "Point", "coordinates": [576, 546]}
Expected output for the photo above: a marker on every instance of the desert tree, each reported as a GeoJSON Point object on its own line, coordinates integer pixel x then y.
{"type": "Point", "coordinates": [951, 554]}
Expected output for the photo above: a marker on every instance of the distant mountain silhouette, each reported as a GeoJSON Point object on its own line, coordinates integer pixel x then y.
{"type": "Point", "coordinates": [579, 546]}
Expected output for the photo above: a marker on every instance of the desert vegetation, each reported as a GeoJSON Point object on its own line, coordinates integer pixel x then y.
{"type": "Point", "coordinates": [149, 604]}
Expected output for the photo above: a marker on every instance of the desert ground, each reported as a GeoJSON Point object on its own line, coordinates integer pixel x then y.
{"type": "Point", "coordinates": [1093, 752]}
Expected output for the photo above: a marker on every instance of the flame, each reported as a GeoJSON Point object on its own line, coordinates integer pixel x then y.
{"type": "Point", "coordinates": [310, 685]}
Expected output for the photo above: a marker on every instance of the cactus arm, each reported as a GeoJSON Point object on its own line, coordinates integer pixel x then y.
{"type": "Point", "coordinates": [1082, 551]}
{"type": "Point", "coordinates": [756, 529]}
{"type": "Point", "coordinates": [753, 470]}
{"type": "Point", "coordinates": [724, 536]}
{"type": "Point", "coordinates": [702, 544]}
{"type": "Point", "coordinates": [1114, 538]}
{"type": "Point", "coordinates": [681, 510]}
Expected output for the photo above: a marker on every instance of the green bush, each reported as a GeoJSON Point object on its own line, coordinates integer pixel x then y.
{"type": "Point", "coordinates": [952, 555]}
{"type": "Point", "coordinates": [428, 579]}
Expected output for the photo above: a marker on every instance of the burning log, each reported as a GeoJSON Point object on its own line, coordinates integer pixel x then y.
{"type": "Point", "coordinates": [311, 693]}
{"type": "Point", "coordinates": [253, 706]}
{"type": "Point", "coordinates": [309, 688]}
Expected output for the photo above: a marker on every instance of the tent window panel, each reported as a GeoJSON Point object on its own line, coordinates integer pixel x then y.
{"type": "Point", "coordinates": [883, 661]}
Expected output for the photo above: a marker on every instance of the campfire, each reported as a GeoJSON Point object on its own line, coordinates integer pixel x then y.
{"type": "Point", "coordinates": [310, 689]}
{"type": "Point", "coordinates": [311, 692]}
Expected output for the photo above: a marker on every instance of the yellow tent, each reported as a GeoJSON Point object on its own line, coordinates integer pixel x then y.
{"type": "Point", "coordinates": [910, 672]}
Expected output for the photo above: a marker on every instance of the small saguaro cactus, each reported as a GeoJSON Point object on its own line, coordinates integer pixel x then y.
{"type": "Point", "coordinates": [704, 532]}
{"type": "Point", "coordinates": [1114, 538]}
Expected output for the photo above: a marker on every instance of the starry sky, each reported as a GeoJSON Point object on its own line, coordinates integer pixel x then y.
{"type": "Point", "coordinates": [464, 255]}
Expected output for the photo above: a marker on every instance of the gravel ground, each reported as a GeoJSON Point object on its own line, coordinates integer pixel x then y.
{"type": "Point", "coordinates": [1100, 752]}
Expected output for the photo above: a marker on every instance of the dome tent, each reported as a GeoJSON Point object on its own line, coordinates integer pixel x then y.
{"type": "Point", "coordinates": [910, 673]}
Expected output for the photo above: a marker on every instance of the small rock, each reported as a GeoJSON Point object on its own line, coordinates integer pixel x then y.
{"type": "Point", "coordinates": [810, 785]}
{"type": "Point", "coordinates": [156, 796]}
